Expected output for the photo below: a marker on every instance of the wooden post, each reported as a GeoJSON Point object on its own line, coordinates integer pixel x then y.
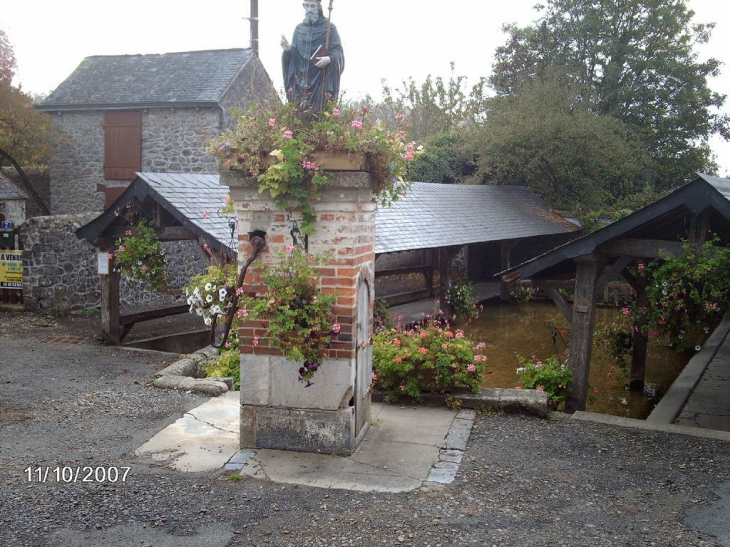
{"type": "Point", "coordinates": [581, 338]}
{"type": "Point", "coordinates": [505, 248]}
{"type": "Point", "coordinates": [110, 326]}
{"type": "Point", "coordinates": [639, 343]}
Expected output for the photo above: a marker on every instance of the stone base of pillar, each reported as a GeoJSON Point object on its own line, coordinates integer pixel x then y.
{"type": "Point", "coordinates": [303, 430]}
{"type": "Point", "coordinates": [278, 412]}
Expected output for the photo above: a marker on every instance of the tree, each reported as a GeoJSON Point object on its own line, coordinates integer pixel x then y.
{"type": "Point", "coordinates": [446, 159]}
{"type": "Point", "coordinates": [633, 60]}
{"type": "Point", "coordinates": [547, 137]}
{"type": "Point", "coordinates": [26, 136]}
{"type": "Point", "coordinates": [434, 107]}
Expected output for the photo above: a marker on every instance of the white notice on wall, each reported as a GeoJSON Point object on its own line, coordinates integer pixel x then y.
{"type": "Point", "coordinates": [102, 263]}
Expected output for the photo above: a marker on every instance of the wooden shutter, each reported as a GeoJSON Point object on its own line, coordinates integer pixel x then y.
{"type": "Point", "coordinates": [122, 145]}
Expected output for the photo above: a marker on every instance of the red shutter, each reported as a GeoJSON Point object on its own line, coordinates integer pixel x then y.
{"type": "Point", "coordinates": [122, 145]}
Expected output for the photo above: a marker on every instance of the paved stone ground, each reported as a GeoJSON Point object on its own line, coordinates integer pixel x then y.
{"type": "Point", "coordinates": [523, 480]}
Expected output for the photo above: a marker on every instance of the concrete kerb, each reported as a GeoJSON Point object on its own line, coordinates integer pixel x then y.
{"type": "Point", "coordinates": [185, 374]}
{"type": "Point", "coordinates": [518, 401]}
{"type": "Point", "coordinates": [673, 402]}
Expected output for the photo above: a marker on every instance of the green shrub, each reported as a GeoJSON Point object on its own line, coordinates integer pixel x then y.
{"type": "Point", "coordinates": [428, 357]}
{"type": "Point", "coordinates": [549, 376]}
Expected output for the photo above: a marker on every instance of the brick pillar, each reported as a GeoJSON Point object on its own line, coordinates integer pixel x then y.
{"type": "Point", "coordinates": [277, 411]}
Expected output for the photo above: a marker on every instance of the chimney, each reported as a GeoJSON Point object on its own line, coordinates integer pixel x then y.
{"type": "Point", "coordinates": [254, 20]}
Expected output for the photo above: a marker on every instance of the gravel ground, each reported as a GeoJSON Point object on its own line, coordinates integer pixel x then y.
{"type": "Point", "coordinates": [524, 481]}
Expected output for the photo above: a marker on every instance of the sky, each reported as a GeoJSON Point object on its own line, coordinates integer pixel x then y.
{"type": "Point", "coordinates": [391, 40]}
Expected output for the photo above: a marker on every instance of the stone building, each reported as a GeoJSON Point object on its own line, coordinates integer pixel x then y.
{"type": "Point", "coordinates": [124, 114]}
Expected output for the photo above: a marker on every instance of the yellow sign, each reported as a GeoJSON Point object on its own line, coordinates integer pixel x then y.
{"type": "Point", "coordinates": [11, 269]}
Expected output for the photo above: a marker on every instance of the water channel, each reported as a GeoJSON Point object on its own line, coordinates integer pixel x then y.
{"type": "Point", "coordinates": [529, 329]}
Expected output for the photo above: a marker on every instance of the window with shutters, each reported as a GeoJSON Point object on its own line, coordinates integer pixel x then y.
{"type": "Point", "coordinates": [122, 145]}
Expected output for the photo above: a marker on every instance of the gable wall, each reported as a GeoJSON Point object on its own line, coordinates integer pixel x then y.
{"type": "Point", "coordinates": [173, 140]}
{"type": "Point", "coordinates": [251, 86]}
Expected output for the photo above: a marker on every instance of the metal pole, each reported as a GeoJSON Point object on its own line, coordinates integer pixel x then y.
{"type": "Point", "coordinates": [254, 20]}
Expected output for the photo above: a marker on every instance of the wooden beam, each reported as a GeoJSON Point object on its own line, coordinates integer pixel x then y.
{"type": "Point", "coordinates": [589, 268]}
{"type": "Point", "coordinates": [110, 328]}
{"type": "Point", "coordinates": [641, 248]}
{"type": "Point", "coordinates": [505, 248]}
{"type": "Point", "coordinates": [132, 318]}
{"type": "Point", "coordinates": [560, 302]}
{"type": "Point", "coordinates": [167, 233]}
{"type": "Point", "coordinates": [613, 271]}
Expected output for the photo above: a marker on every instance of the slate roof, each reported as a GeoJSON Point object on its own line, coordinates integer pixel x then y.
{"type": "Point", "coordinates": [193, 78]}
{"type": "Point", "coordinates": [9, 190]}
{"type": "Point", "coordinates": [187, 197]}
{"type": "Point", "coordinates": [429, 216]}
{"type": "Point", "coordinates": [666, 219]}
{"type": "Point", "coordinates": [439, 215]}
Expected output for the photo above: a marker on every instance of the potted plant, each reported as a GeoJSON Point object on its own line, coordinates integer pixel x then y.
{"type": "Point", "coordinates": [288, 152]}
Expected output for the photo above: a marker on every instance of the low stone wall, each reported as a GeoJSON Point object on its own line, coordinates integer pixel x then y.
{"type": "Point", "coordinates": [59, 270]}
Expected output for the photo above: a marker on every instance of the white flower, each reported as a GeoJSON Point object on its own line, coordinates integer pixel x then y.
{"type": "Point", "coordinates": [209, 298]}
{"type": "Point", "coordinates": [208, 321]}
{"type": "Point", "coordinates": [216, 309]}
{"type": "Point", "coordinates": [521, 369]}
{"type": "Point", "coordinates": [208, 286]}
{"type": "Point", "coordinates": [199, 311]}
{"type": "Point", "coordinates": [196, 292]}
{"type": "Point", "coordinates": [222, 294]}
{"type": "Point", "coordinates": [190, 300]}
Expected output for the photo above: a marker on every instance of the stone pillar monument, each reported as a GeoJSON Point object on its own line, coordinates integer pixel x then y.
{"type": "Point", "coordinates": [277, 411]}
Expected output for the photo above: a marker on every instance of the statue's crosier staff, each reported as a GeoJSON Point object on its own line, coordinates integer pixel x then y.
{"type": "Point", "coordinates": [326, 52]}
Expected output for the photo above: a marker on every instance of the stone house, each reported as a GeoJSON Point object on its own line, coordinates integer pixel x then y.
{"type": "Point", "coordinates": [124, 114]}
{"type": "Point", "coordinates": [12, 202]}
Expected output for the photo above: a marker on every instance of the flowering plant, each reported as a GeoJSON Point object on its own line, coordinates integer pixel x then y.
{"type": "Point", "coordinates": [278, 147]}
{"type": "Point", "coordinates": [139, 256]}
{"type": "Point", "coordinates": [549, 376]}
{"type": "Point", "coordinates": [687, 293]}
{"type": "Point", "coordinates": [211, 293]}
{"type": "Point", "coordinates": [430, 356]}
{"type": "Point", "coordinates": [301, 323]}
{"type": "Point", "coordinates": [461, 300]}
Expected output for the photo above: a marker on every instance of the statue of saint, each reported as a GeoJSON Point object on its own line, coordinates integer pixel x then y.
{"type": "Point", "coordinates": [311, 70]}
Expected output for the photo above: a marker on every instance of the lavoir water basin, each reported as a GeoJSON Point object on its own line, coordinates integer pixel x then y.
{"type": "Point", "coordinates": [538, 329]}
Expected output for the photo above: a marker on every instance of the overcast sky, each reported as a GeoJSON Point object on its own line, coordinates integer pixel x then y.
{"type": "Point", "coordinates": [383, 39]}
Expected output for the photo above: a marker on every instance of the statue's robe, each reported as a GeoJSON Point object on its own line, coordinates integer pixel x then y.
{"type": "Point", "coordinates": [302, 79]}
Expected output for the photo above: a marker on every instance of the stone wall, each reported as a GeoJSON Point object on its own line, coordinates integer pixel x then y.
{"type": "Point", "coordinates": [173, 140]}
{"type": "Point", "coordinates": [59, 270]}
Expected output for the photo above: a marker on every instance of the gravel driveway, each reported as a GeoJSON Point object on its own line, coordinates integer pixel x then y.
{"type": "Point", "coordinates": [524, 481]}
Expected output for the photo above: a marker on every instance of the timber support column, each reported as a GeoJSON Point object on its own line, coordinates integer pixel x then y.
{"type": "Point", "coordinates": [639, 340]}
{"type": "Point", "coordinates": [505, 248]}
{"type": "Point", "coordinates": [581, 338]}
{"type": "Point", "coordinates": [277, 410]}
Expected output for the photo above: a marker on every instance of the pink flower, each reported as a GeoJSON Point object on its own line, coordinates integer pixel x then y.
{"type": "Point", "coordinates": [290, 248]}
{"type": "Point", "coordinates": [444, 346]}
{"type": "Point", "coordinates": [272, 122]}
{"type": "Point", "coordinates": [110, 256]}
{"type": "Point", "coordinates": [239, 291]}
{"type": "Point", "coordinates": [449, 334]}
{"type": "Point", "coordinates": [422, 350]}
{"type": "Point", "coordinates": [540, 388]}
{"type": "Point", "coordinates": [471, 368]}
{"type": "Point", "coordinates": [310, 166]}
{"type": "Point", "coordinates": [399, 359]}
{"type": "Point", "coordinates": [255, 340]}
{"type": "Point", "coordinates": [241, 314]}
{"type": "Point", "coordinates": [642, 266]}
{"type": "Point", "coordinates": [357, 124]}
{"type": "Point", "coordinates": [335, 111]}
{"type": "Point", "coordinates": [423, 334]}
{"type": "Point", "coordinates": [375, 377]}
{"type": "Point", "coordinates": [402, 387]}
{"type": "Point", "coordinates": [128, 233]}
{"type": "Point", "coordinates": [144, 267]}
{"type": "Point", "coordinates": [460, 334]}
{"type": "Point", "coordinates": [400, 116]}
{"type": "Point", "coordinates": [205, 214]}
{"type": "Point", "coordinates": [538, 364]}
{"type": "Point", "coordinates": [336, 328]}
{"type": "Point", "coordinates": [116, 213]}
{"type": "Point", "coordinates": [288, 134]}
{"type": "Point", "coordinates": [396, 342]}
{"type": "Point", "coordinates": [625, 311]}
{"type": "Point", "coordinates": [121, 248]}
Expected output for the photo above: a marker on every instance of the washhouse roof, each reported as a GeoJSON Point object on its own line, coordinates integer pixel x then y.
{"type": "Point", "coordinates": [192, 201]}
{"type": "Point", "coordinates": [193, 78]}
{"type": "Point", "coordinates": [9, 190]}
{"type": "Point", "coordinates": [439, 215]}
{"type": "Point", "coordinates": [665, 220]}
